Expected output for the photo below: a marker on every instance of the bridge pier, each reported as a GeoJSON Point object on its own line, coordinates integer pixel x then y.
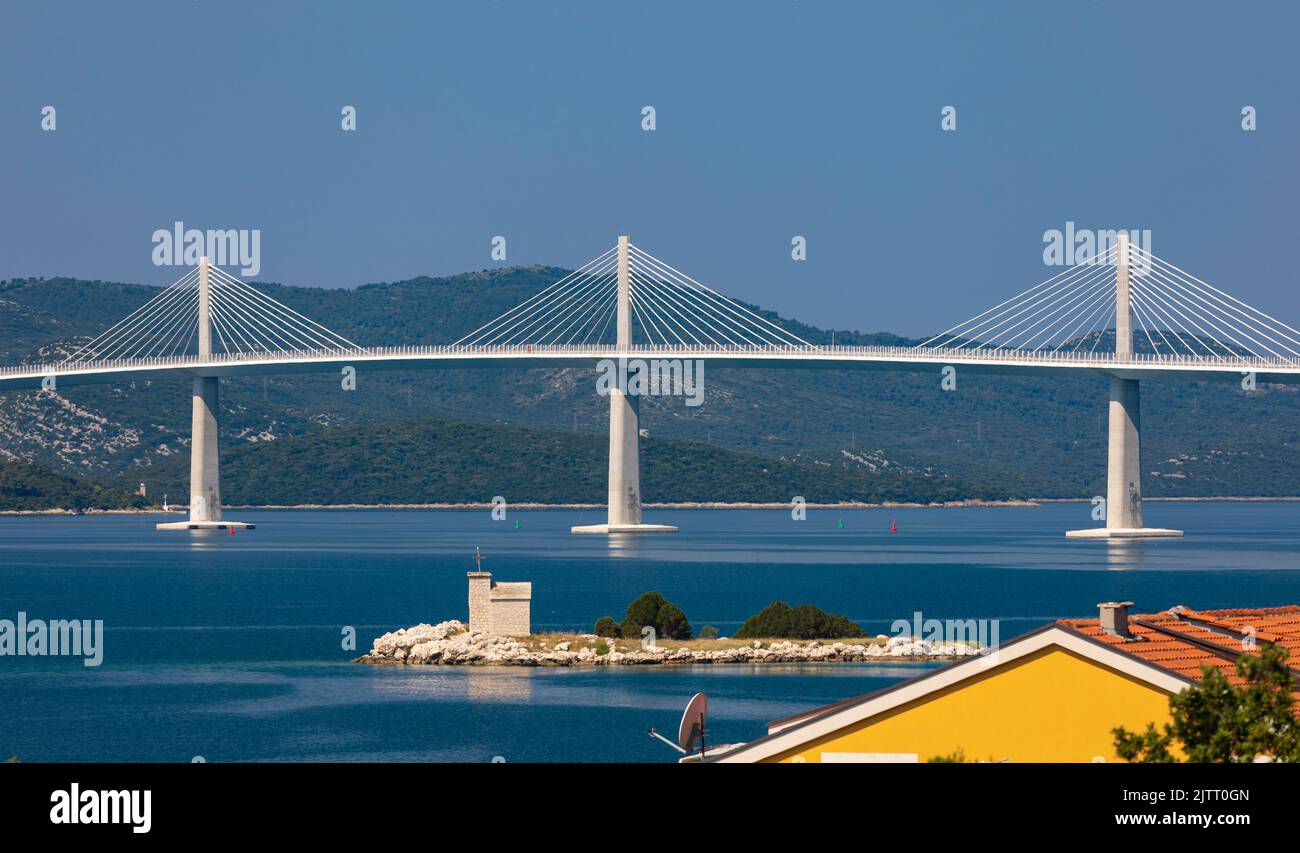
{"type": "Point", "coordinates": [624, 434]}
{"type": "Point", "coordinates": [1124, 440]}
{"type": "Point", "coordinates": [205, 457]}
{"type": "Point", "coordinates": [1124, 471]}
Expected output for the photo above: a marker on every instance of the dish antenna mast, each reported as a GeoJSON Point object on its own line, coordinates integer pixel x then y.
{"type": "Point", "coordinates": [691, 728]}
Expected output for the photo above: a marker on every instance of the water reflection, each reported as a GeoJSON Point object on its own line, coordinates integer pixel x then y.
{"type": "Point", "coordinates": [498, 684]}
{"type": "Point", "coordinates": [1123, 554]}
{"type": "Point", "coordinates": [203, 539]}
{"type": "Point", "coordinates": [625, 545]}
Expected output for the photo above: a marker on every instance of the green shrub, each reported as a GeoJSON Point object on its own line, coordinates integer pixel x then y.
{"type": "Point", "coordinates": [606, 627]}
{"type": "Point", "coordinates": [957, 756]}
{"type": "Point", "coordinates": [804, 622]}
{"type": "Point", "coordinates": [708, 632]}
{"type": "Point", "coordinates": [771, 621]}
{"type": "Point", "coordinates": [644, 610]}
{"type": "Point", "coordinates": [672, 624]}
{"type": "Point", "coordinates": [1218, 722]}
{"type": "Point", "coordinates": [653, 609]}
{"type": "Point", "coordinates": [602, 649]}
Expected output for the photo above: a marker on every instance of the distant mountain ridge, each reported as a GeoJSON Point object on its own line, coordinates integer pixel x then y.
{"type": "Point", "coordinates": [1014, 436]}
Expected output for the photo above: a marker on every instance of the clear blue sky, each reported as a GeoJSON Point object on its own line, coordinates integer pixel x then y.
{"type": "Point", "coordinates": [777, 118]}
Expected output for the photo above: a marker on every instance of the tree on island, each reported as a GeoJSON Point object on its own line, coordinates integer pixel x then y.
{"type": "Point", "coordinates": [1215, 721]}
{"type": "Point", "coordinates": [649, 609]}
{"type": "Point", "coordinates": [804, 622]}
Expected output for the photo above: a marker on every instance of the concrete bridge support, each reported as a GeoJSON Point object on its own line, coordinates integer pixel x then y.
{"type": "Point", "coordinates": [205, 458]}
{"type": "Point", "coordinates": [1124, 440]}
{"type": "Point", "coordinates": [624, 433]}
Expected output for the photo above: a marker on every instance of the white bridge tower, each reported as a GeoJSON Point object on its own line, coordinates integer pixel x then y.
{"type": "Point", "coordinates": [1124, 442]}
{"type": "Point", "coordinates": [205, 457]}
{"type": "Point", "coordinates": [624, 430]}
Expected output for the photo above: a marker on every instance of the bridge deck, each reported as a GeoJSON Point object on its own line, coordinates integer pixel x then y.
{"type": "Point", "coordinates": [906, 359]}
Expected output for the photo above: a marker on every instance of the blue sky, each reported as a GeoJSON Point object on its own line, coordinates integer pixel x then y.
{"type": "Point", "coordinates": [774, 119]}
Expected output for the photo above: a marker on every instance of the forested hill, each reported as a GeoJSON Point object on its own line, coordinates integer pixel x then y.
{"type": "Point", "coordinates": [431, 460]}
{"type": "Point", "coordinates": [28, 486]}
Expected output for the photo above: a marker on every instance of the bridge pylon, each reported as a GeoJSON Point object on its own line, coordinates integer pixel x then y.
{"type": "Point", "coordinates": [624, 431]}
{"type": "Point", "coordinates": [205, 456]}
{"type": "Point", "coordinates": [1124, 439]}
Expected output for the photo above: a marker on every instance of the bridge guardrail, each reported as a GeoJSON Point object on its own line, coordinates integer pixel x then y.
{"type": "Point", "coordinates": [937, 354]}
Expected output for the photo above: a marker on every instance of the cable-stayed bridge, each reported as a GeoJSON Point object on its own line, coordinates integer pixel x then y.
{"type": "Point", "coordinates": [1124, 315]}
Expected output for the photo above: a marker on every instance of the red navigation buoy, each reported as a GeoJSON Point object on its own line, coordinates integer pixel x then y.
{"type": "Point", "coordinates": [893, 526]}
{"type": "Point", "coordinates": [232, 530]}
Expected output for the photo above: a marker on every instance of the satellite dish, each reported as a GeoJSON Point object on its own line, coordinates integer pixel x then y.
{"type": "Point", "coordinates": [692, 727]}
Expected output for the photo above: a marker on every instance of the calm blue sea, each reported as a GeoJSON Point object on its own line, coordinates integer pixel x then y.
{"type": "Point", "coordinates": [229, 647]}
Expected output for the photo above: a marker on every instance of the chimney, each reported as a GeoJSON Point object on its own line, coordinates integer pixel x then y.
{"type": "Point", "coordinates": [1114, 617]}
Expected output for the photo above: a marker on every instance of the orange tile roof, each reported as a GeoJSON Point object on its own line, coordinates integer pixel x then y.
{"type": "Point", "coordinates": [1179, 640]}
{"type": "Point", "coordinates": [1183, 640]}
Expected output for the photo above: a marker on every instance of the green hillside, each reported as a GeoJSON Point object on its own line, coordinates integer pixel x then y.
{"type": "Point", "coordinates": [27, 486]}
{"type": "Point", "coordinates": [439, 461]}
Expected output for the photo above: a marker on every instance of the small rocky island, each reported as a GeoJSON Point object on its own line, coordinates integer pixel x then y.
{"type": "Point", "coordinates": [655, 631]}
{"type": "Point", "coordinates": [453, 643]}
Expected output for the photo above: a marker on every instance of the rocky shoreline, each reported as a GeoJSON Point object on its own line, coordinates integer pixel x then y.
{"type": "Point", "coordinates": [452, 644]}
{"type": "Point", "coordinates": [971, 503]}
{"type": "Point", "coordinates": [785, 505]}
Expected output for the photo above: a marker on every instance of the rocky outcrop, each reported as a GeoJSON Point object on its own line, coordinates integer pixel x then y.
{"type": "Point", "coordinates": [452, 643]}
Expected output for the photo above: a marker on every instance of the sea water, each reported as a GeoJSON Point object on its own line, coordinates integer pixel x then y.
{"type": "Point", "coordinates": [227, 647]}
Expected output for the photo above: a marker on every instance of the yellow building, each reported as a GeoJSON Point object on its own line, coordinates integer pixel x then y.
{"type": "Point", "coordinates": [1052, 695]}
